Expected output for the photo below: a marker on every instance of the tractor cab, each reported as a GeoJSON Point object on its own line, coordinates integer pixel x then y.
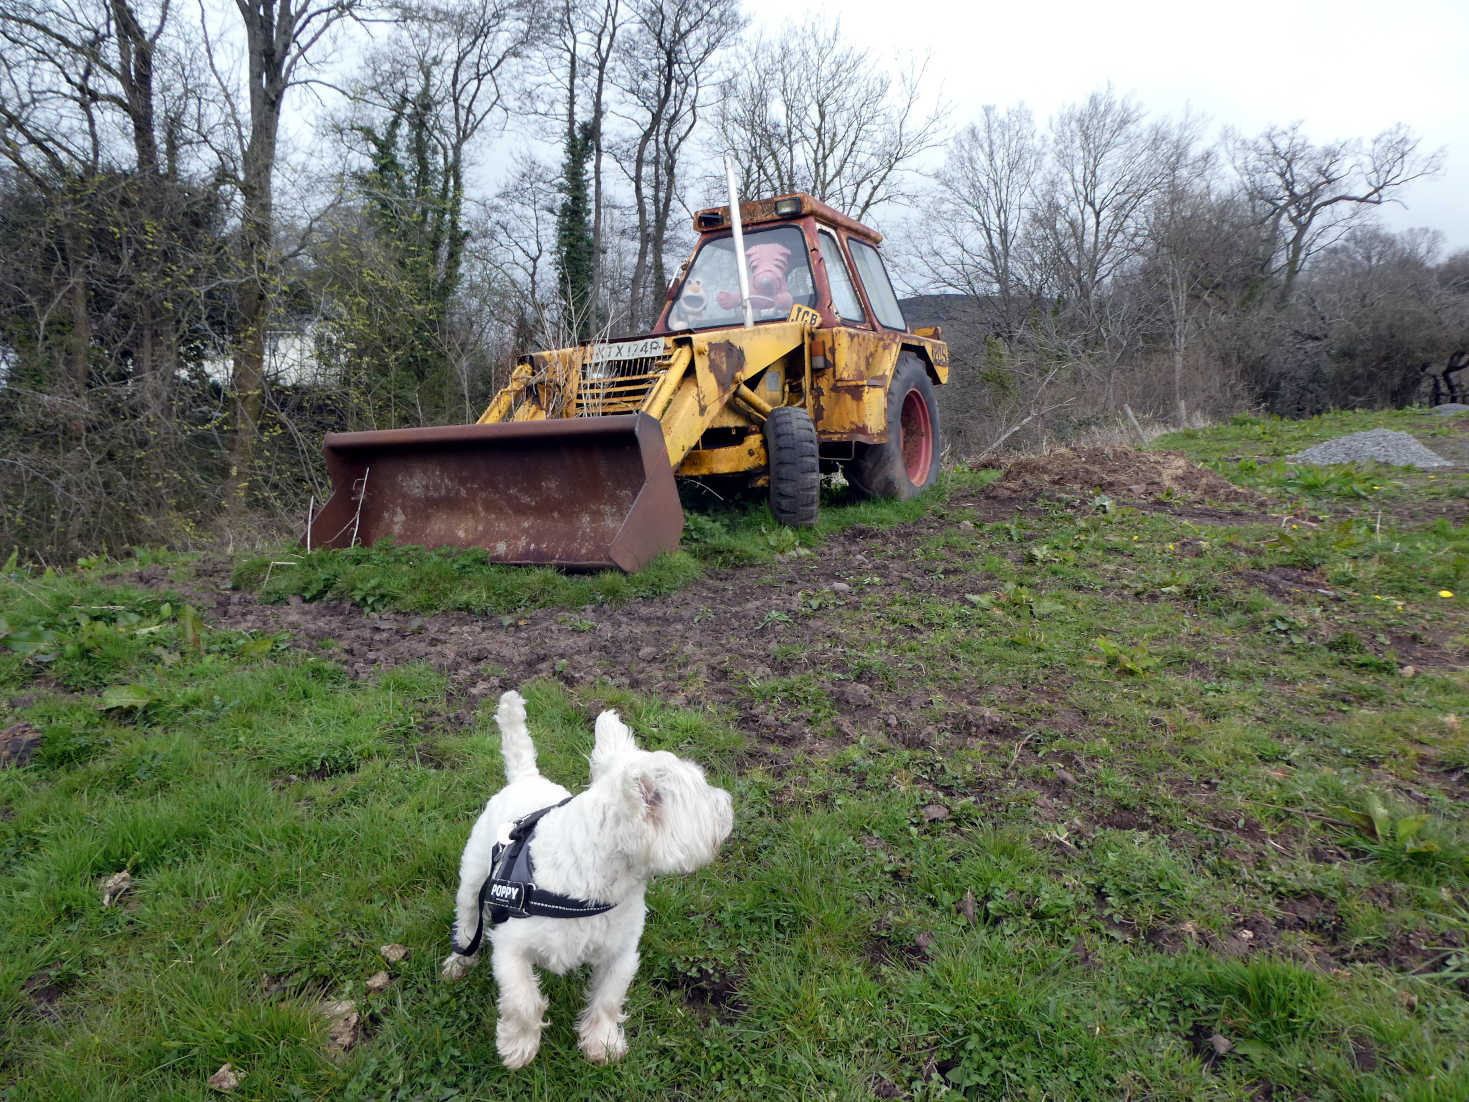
{"type": "Point", "coordinates": [798, 251]}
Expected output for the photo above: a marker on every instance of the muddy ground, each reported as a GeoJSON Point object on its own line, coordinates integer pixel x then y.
{"type": "Point", "coordinates": [709, 641]}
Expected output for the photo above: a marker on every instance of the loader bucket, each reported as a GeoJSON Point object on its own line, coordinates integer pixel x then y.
{"type": "Point", "coordinates": [586, 493]}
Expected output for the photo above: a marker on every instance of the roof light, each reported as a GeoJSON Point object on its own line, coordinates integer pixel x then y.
{"type": "Point", "coordinates": [791, 204]}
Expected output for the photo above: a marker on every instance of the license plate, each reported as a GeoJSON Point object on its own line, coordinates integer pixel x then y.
{"type": "Point", "coordinates": [649, 347]}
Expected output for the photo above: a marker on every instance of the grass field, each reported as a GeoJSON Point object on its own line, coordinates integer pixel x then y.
{"type": "Point", "coordinates": [1087, 794]}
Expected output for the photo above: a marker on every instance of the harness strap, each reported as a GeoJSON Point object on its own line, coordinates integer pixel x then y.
{"type": "Point", "coordinates": [510, 891]}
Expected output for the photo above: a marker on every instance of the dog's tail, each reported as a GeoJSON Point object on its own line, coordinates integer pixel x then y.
{"type": "Point", "coordinates": [515, 744]}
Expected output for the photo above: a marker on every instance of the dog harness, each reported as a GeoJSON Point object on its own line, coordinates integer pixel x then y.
{"type": "Point", "coordinates": [510, 890]}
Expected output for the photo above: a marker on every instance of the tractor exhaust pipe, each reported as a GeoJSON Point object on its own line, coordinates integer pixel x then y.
{"type": "Point", "coordinates": [739, 240]}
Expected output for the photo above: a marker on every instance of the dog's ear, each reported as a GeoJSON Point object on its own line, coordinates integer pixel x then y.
{"type": "Point", "coordinates": [645, 790]}
{"type": "Point", "coordinates": [613, 740]}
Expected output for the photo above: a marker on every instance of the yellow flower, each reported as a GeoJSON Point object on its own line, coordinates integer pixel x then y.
{"type": "Point", "coordinates": [1445, 592]}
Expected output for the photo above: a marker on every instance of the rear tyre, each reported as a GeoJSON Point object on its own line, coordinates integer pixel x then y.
{"type": "Point", "coordinates": [908, 463]}
{"type": "Point", "coordinates": [795, 466]}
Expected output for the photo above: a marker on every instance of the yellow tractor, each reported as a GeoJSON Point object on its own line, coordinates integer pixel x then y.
{"type": "Point", "coordinates": [781, 351]}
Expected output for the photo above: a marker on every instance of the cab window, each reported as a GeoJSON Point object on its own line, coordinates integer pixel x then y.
{"type": "Point", "coordinates": [780, 276]}
{"type": "Point", "coordinates": [844, 298]}
{"type": "Point", "coordinates": [879, 288]}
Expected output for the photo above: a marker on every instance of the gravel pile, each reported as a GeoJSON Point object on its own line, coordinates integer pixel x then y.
{"type": "Point", "coordinates": [1383, 445]}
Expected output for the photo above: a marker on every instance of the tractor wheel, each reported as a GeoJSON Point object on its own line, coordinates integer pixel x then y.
{"type": "Point", "coordinates": [908, 463]}
{"type": "Point", "coordinates": [795, 471]}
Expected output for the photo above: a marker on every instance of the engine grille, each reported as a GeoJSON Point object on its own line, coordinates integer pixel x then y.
{"type": "Point", "coordinates": [616, 386]}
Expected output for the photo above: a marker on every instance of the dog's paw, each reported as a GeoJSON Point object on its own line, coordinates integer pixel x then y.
{"type": "Point", "coordinates": [602, 1041]}
{"type": "Point", "coordinates": [456, 967]}
{"type": "Point", "coordinates": [517, 1047]}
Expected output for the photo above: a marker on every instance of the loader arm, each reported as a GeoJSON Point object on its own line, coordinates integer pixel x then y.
{"type": "Point", "coordinates": [709, 373]}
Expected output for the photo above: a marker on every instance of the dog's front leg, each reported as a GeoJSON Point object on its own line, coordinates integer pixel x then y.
{"type": "Point", "coordinates": [599, 1030]}
{"type": "Point", "coordinates": [518, 1031]}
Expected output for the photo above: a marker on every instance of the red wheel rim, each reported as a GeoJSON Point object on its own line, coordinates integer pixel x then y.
{"type": "Point", "coordinates": [916, 429]}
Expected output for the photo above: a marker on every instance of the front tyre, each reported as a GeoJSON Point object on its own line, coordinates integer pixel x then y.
{"type": "Point", "coordinates": [795, 466]}
{"type": "Point", "coordinates": [908, 463]}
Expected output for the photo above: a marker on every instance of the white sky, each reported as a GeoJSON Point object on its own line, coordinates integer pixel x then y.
{"type": "Point", "coordinates": [1346, 69]}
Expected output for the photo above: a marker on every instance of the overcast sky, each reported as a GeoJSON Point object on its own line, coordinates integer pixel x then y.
{"type": "Point", "coordinates": [1346, 69]}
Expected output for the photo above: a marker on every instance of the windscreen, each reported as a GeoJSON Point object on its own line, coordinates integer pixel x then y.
{"type": "Point", "coordinates": [780, 276]}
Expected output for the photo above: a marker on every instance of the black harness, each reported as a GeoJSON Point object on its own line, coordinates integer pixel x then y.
{"type": "Point", "coordinates": [510, 890]}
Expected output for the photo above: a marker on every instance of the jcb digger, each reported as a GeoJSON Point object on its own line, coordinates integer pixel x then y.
{"type": "Point", "coordinates": [780, 352]}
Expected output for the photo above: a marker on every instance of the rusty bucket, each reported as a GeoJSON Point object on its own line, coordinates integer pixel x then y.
{"type": "Point", "coordinates": [585, 493]}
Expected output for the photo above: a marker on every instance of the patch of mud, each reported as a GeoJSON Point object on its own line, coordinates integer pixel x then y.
{"type": "Point", "coordinates": [43, 995]}
{"type": "Point", "coordinates": [718, 642]}
{"type": "Point", "coordinates": [1287, 583]}
{"type": "Point", "coordinates": [1415, 952]}
{"type": "Point", "coordinates": [18, 743]}
{"type": "Point", "coordinates": [1125, 475]}
{"type": "Point", "coordinates": [886, 949]}
{"type": "Point", "coordinates": [708, 993]}
{"type": "Point", "coordinates": [723, 639]}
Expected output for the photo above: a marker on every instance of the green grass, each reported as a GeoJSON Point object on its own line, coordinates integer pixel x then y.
{"type": "Point", "coordinates": [1109, 783]}
{"type": "Point", "coordinates": [411, 579]}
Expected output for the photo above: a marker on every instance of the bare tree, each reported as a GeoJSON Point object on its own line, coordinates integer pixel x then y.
{"type": "Point", "coordinates": [1310, 196]}
{"type": "Point", "coordinates": [75, 75]}
{"type": "Point", "coordinates": [810, 113]}
{"type": "Point", "coordinates": [984, 198]}
{"type": "Point", "coordinates": [112, 242]}
{"type": "Point", "coordinates": [97, 111]}
{"type": "Point", "coordinates": [282, 38]}
{"type": "Point", "coordinates": [520, 241]}
{"type": "Point", "coordinates": [1108, 164]}
{"type": "Point", "coordinates": [664, 73]}
{"type": "Point", "coordinates": [582, 51]}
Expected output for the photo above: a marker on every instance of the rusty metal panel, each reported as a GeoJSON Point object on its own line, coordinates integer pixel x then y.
{"type": "Point", "coordinates": [929, 345]}
{"type": "Point", "coordinates": [754, 212]}
{"type": "Point", "coordinates": [589, 493]}
{"type": "Point", "coordinates": [860, 355]}
{"type": "Point", "coordinates": [849, 395]}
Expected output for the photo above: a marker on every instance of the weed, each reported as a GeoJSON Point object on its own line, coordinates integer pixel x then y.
{"type": "Point", "coordinates": [1134, 661]}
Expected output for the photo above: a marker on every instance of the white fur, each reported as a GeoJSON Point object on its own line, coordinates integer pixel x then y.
{"type": "Point", "coordinates": [643, 815]}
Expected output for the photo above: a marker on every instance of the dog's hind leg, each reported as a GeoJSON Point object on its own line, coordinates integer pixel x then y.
{"type": "Point", "coordinates": [521, 1006]}
{"type": "Point", "coordinates": [599, 1029]}
{"type": "Point", "coordinates": [516, 746]}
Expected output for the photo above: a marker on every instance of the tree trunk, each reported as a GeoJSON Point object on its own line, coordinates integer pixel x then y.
{"type": "Point", "coordinates": [248, 383]}
{"type": "Point", "coordinates": [79, 346]}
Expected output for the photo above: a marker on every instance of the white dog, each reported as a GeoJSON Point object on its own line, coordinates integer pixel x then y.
{"type": "Point", "coordinates": [564, 885]}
